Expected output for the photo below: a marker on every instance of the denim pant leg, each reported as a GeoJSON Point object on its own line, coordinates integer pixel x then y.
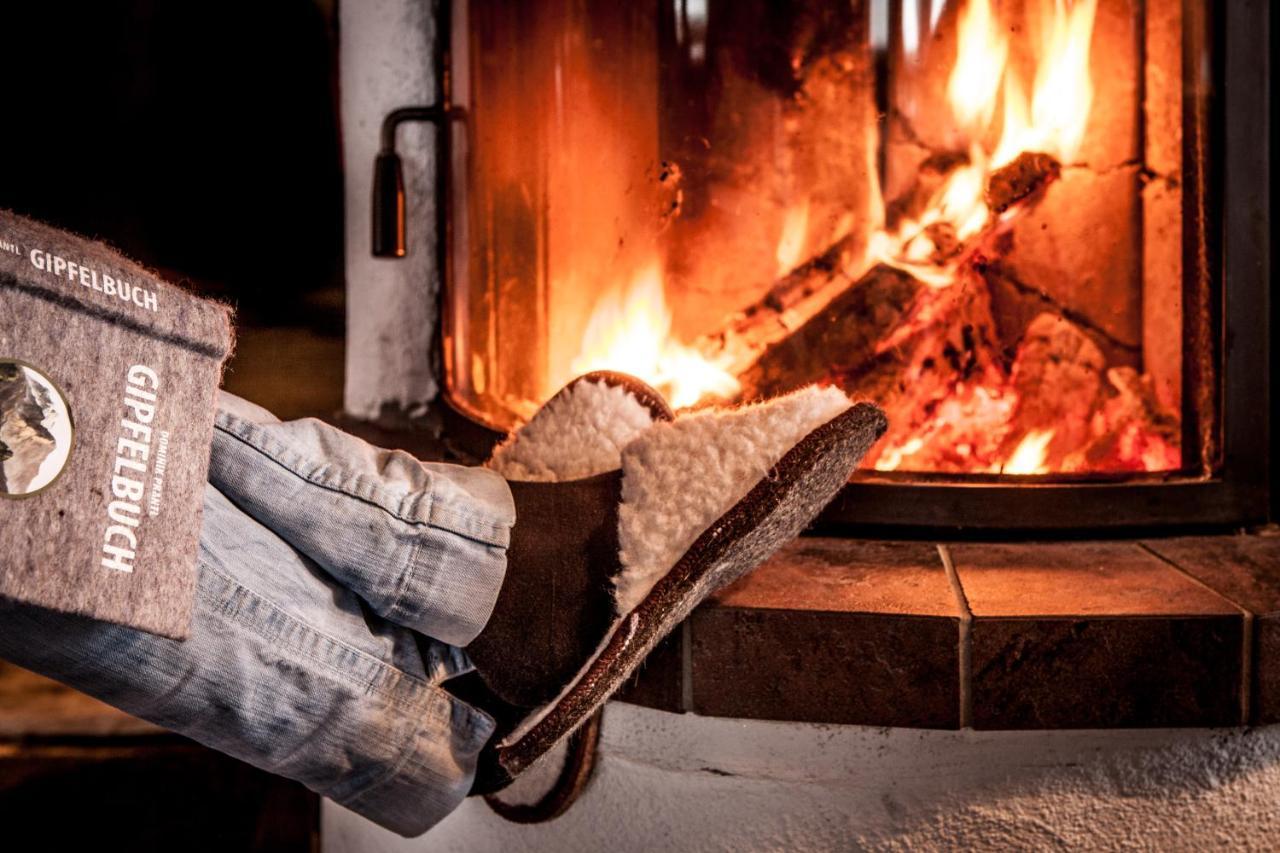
{"type": "Point", "coordinates": [285, 669]}
{"type": "Point", "coordinates": [423, 543]}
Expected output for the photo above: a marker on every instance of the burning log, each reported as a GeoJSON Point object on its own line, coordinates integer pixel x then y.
{"type": "Point", "coordinates": [926, 346]}
{"type": "Point", "coordinates": [953, 406]}
{"type": "Point", "coordinates": [843, 337]}
{"type": "Point", "coordinates": [785, 308]}
{"type": "Point", "coordinates": [931, 176]}
{"type": "Point", "coordinates": [1085, 416]}
{"type": "Point", "coordinates": [1028, 174]}
{"type": "Point", "coordinates": [930, 354]}
{"type": "Point", "coordinates": [1134, 432]}
{"type": "Point", "coordinates": [934, 376]}
{"type": "Point", "coordinates": [805, 300]}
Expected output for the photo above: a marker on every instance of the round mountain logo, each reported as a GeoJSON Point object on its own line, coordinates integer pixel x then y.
{"type": "Point", "coordinates": [35, 429]}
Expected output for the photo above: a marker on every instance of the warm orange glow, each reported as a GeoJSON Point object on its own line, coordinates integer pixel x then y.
{"type": "Point", "coordinates": [1055, 119]}
{"type": "Point", "coordinates": [630, 331]}
{"type": "Point", "coordinates": [989, 100]}
{"type": "Point", "coordinates": [959, 203]}
{"type": "Point", "coordinates": [1051, 121]}
{"type": "Point", "coordinates": [795, 230]}
{"type": "Point", "coordinates": [1030, 454]}
{"type": "Point", "coordinates": [981, 52]}
{"type": "Point", "coordinates": [970, 415]}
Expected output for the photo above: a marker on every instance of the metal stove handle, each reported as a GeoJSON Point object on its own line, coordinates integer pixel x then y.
{"type": "Point", "coordinates": [388, 178]}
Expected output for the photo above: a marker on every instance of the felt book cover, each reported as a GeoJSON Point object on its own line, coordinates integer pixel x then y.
{"type": "Point", "coordinates": [108, 384]}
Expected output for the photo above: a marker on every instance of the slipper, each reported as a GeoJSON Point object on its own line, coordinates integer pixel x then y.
{"type": "Point", "coordinates": [564, 470]}
{"type": "Point", "coordinates": [705, 498]}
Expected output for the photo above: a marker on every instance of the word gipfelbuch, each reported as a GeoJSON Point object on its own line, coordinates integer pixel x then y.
{"type": "Point", "coordinates": [89, 277]}
{"type": "Point", "coordinates": [132, 464]}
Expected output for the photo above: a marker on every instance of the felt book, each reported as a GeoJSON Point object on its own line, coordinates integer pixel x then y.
{"type": "Point", "coordinates": [108, 385]}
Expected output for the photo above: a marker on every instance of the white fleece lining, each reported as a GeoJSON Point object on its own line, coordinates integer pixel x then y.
{"type": "Point", "coordinates": [680, 477]}
{"type": "Point", "coordinates": [578, 433]}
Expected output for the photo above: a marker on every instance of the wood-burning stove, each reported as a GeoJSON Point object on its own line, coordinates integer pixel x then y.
{"type": "Point", "coordinates": [1061, 298]}
{"type": "Point", "coordinates": [1155, 630]}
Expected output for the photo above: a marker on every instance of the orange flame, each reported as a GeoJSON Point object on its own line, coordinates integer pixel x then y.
{"type": "Point", "coordinates": [1030, 455]}
{"type": "Point", "coordinates": [1055, 119]}
{"type": "Point", "coordinates": [980, 59]}
{"type": "Point", "coordinates": [795, 230]}
{"type": "Point", "coordinates": [630, 331]}
{"type": "Point", "coordinates": [630, 327]}
{"type": "Point", "coordinates": [1051, 121]}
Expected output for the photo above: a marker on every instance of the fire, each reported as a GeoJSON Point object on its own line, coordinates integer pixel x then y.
{"type": "Point", "coordinates": [630, 331]}
{"type": "Point", "coordinates": [958, 204]}
{"type": "Point", "coordinates": [980, 59]}
{"type": "Point", "coordinates": [988, 99]}
{"type": "Point", "coordinates": [1030, 454]}
{"type": "Point", "coordinates": [1003, 105]}
{"type": "Point", "coordinates": [1054, 120]}
{"type": "Point", "coordinates": [1051, 121]}
{"type": "Point", "coordinates": [795, 228]}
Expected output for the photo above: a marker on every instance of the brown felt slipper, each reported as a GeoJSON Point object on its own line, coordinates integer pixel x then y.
{"type": "Point", "coordinates": [557, 603]}
{"type": "Point", "coordinates": [704, 499]}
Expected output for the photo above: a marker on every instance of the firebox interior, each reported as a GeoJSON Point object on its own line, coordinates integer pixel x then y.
{"type": "Point", "coordinates": [985, 216]}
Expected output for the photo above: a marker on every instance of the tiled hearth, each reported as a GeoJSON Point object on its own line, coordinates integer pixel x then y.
{"type": "Point", "coordinates": [1151, 633]}
{"type": "Point", "coordinates": [1061, 634]}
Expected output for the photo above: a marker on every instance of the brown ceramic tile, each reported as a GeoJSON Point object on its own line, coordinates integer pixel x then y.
{"type": "Point", "coordinates": [1245, 569]}
{"type": "Point", "coordinates": [1095, 635]}
{"type": "Point", "coordinates": [849, 575]}
{"type": "Point", "coordinates": [837, 631]}
{"type": "Point", "coordinates": [1077, 579]}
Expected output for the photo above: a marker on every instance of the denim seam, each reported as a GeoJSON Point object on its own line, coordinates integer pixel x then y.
{"type": "Point", "coordinates": [411, 749]}
{"type": "Point", "coordinates": [396, 612]}
{"type": "Point", "coordinates": [422, 504]}
{"type": "Point", "coordinates": [445, 517]}
{"type": "Point", "coordinates": [391, 676]}
{"type": "Point", "coordinates": [370, 492]}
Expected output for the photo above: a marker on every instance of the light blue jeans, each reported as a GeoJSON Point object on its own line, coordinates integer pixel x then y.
{"type": "Point", "coordinates": [337, 582]}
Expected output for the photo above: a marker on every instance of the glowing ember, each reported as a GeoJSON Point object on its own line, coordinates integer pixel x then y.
{"type": "Point", "coordinates": [630, 331]}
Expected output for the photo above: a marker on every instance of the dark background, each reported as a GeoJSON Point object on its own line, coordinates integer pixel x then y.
{"type": "Point", "coordinates": [199, 138]}
{"type": "Point", "coordinates": [202, 140]}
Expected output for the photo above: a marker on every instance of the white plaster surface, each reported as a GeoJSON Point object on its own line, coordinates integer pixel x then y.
{"type": "Point", "coordinates": [386, 60]}
{"type": "Point", "coordinates": [681, 782]}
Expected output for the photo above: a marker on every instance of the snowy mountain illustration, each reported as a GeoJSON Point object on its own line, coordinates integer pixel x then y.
{"type": "Point", "coordinates": [27, 410]}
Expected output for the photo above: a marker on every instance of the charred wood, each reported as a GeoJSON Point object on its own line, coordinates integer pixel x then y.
{"type": "Point", "coordinates": [843, 337]}
{"type": "Point", "coordinates": [1028, 174]}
